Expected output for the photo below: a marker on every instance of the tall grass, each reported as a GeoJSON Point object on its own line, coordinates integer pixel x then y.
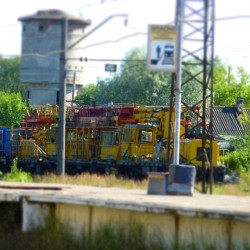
{"type": "Point", "coordinates": [56, 236]}
{"type": "Point", "coordinates": [93, 180]}
{"type": "Point", "coordinates": [241, 188]}
{"type": "Point", "coordinates": [108, 236]}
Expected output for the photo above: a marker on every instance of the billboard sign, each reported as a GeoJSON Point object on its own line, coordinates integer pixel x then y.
{"type": "Point", "coordinates": [110, 67]}
{"type": "Point", "coordinates": [161, 48]}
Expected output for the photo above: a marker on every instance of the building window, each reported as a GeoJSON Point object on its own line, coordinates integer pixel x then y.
{"type": "Point", "coordinates": [24, 28]}
{"type": "Point", "coordinates": [28, 98]}
{"type": "Point", "coordinates": [57, 97]}
{"type": "Point", "coordinates": [41, 28]}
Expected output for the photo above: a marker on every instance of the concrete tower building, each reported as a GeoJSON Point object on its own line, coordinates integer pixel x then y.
{"type": "Point", "coordinates": [45, 36]}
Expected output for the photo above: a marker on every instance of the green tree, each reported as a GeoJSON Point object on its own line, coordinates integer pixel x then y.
{"type": "Point", "coordinates": [239, 159]}
{"type": "Point", "coordinates": [134, 83]}
{"type": "Point", "coordinates": [87, 95]}
{"type": "Point", "coordinates": [10, 76]}
{"type": "Point", "coordinates": [191, 89]}
{"type": "Point", "coordinates": [243, 85]}
{"type": "Point", "coordinates": [229, 85]}
{"type": "Point", "coordinates": [11, 109]}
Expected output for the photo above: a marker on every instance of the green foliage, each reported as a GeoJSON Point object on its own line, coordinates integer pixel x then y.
{"type": "Point", "coordinates": [192, 91]}
{"type": "Point", "coordinates": [239, 160]}
{"type": "Point", "coordinates": [17, 175]}
{"type": "Point", "coordinates": [9, 69]}
{"type": "Point", "coordinates": [87, 95]}
{"type": "Point", "coordinates": [229, 85]}
{"type": "Point", "coordinates": [133, 84]}
{"type": "Point", "coordinates": [11, 109]}
{"type": "Point", "coordinates": [244, 119]}
{"type": "Point", "coordinates": [10, 76]}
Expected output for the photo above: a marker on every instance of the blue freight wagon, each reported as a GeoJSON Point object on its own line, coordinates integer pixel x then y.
{"type": "Point", "coordinates": [8, 147]}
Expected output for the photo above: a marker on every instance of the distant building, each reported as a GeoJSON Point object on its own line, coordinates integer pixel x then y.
{"type": "Point", "coordinates": [43, 55]}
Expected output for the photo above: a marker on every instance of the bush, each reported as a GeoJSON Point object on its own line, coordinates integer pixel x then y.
{"type": "Point", "coordinates": [239, 160]}
{"type": "Point", "coordinates": [17, 175]}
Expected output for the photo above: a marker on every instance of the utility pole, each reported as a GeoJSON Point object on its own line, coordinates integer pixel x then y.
{"type": "Point", "coordinates": [62, 109]}
{"type": "Point", "coordinates": [74, 88]}
{"type": "Point", "coordinates": [177, 88]}
{"type": "Point", "coordinates": [63, 84]}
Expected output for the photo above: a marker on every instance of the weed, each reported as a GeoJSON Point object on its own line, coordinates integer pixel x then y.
{"type": "Point", "coordinates": [17, 175]}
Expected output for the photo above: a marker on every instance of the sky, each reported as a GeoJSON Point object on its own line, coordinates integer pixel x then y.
{"type": "Point", "coordinates": [232, 36]}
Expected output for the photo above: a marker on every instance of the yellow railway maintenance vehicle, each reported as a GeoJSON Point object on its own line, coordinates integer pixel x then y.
{"type": "Point", "coordinates": [131, 140]}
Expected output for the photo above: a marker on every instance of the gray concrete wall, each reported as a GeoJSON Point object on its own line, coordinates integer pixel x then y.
{"type": "Point", "coordinates": [209, 221]}
{"type": "Point", "coordinates": [42, 67]}
{"type": "Point", "coordinates": [34, 67]}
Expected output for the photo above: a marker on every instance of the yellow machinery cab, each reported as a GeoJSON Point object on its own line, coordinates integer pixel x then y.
{"type": "Point", "coordinates": [111, 144]}
{"type": "Point", "coordinates": [138, 140]}
{"type": "Point", "coordinates": [191, 151]}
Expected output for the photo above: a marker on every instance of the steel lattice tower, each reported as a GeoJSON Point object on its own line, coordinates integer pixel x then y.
{"type": "Point", "coordinates": [197, 56]}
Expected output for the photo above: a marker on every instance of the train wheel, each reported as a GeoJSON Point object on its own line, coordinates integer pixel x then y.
{"type": "Point", "coordinates": [71, 170]}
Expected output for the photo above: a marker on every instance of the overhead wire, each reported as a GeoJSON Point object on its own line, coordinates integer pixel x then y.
{"type": "Point", "coordinates": [55, 52]}
{"type": "Point", "coordinates": [121, 38]}
{"type": "Point", "coordinates": [114, 41]}
{"type": "Point", "coordinates": [100, 14]}
{"type": "Point", "coordinates": [83, 7]}
{"type": "Point", "coordinates": [232, 17]}
{"type": "Point", "coordinates": [8, 25]}
{"type": "Point", "coordinates": [95, 4]}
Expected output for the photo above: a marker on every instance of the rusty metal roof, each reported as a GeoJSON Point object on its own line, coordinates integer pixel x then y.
{"type": "Point", "coordinates": [227, 121]}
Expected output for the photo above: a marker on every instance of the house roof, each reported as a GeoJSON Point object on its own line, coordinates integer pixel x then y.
{"type": "Point", "coordinates": [53, 14]}
{"type": "Point", "coordinates": [228, 121]}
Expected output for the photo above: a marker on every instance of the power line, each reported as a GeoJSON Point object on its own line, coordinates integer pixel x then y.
{"type": "Point", "coordinates": [243, 56]}
{"type": "Point", "coordinates": [101, 14]}
{"type": "Point", "coordinates": [105, 60]}
{"type": "Point", "coordinates": [235, 46]}
{"type": "Point", "coordinates": [7, 26]}
{"type": "Point", "coordinates": [114, 41]}
{"type": "Point", "coordinates": [128, 36]}
{"type": "Point", "coordinates": [216, 19]}
{"type": "Point", "coordinates": [232, 17]}
{"type": "Point", "coordinates": [54, 52]}
{"type": "Point", "coordinates": [93, 5]}
{"type": "Point", "coordinates": [78, 8]}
